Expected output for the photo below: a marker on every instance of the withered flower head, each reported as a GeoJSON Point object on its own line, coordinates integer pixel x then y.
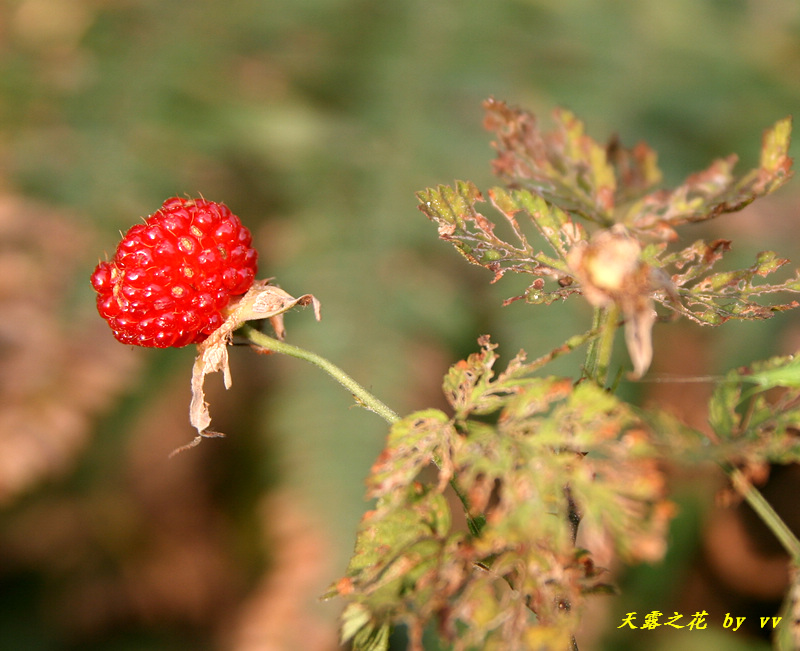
{"type": "Point", "coordinates": [611, 272]}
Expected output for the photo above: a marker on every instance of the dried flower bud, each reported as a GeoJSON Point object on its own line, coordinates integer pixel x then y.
{"type": "Point", "coordinates": [611, 271]}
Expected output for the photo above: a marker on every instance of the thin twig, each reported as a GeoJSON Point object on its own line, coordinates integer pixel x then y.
{"type": "Point", "coordinates": [768, 515]}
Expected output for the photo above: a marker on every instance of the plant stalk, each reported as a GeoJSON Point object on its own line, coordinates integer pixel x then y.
{"type": "Point", "coordinates": [765, 511]}
{"type": "Point", "coordinates": [598, 356]}
{"type": "Point", "coordinates": [362, 396]}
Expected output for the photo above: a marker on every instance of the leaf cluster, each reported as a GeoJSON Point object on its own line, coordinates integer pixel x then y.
{"type": "Point", "coordinates": [755, 414]}
{"type": "Point", "coordinates": [570, 187]}
{"type": "Point", "coordinates": [754, 419]}
{"type": "Point", "coordinates": [528, 454]}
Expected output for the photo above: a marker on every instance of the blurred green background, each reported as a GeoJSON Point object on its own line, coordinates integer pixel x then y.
{"type": "Point", "coordinates": [315, 121]}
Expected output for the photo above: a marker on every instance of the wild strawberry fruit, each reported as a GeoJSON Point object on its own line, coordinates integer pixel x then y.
{"type": "Point", "coordinates": [172, 276]}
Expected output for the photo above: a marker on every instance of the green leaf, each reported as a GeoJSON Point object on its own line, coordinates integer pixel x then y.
{"type": "Point", "coordinates": [554, 225]}
{"type": "Point", "coordinates": [775, 372]}
{"type": "Point", "coordinates": [714, 298]}
{"type": "Point", "coordinates": [476, 237]}
{"type": "Point", "coordinates": [372, 639]}
{"type": "Point", "coordinates": [722, 414]}
{"type": "Point", "coordinates": [391, 530]}
{"type": "Point", "coordinates": [750, 429]}
{"type": "Point", "coordinates": [467, 382]}
{"type": "Point", "coordinates": [608, 184]}
{"type": "Point", "coordinates": [557, 177]}
{"type": "Point", "coordinates": [525, 451]}
{"type": "Point", "coordinates": [787, 634]}
{"type": "Point", "coordinates": [470, 386]}
{"type": "Point", "coordinates": [775, 164]}
{"type": "Point", "coordinates": [355, 617]}
{"type": "Point", "coordinates": [550, 434]}
{"type": "Point", "coordinates": [414, 442]}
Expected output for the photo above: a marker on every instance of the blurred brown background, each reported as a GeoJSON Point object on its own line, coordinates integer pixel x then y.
{"type": "Point", "coordinates": [315, 122]}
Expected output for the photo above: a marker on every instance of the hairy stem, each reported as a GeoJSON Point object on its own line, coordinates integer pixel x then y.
{"type": "Point", "coordinates": [362, 396]}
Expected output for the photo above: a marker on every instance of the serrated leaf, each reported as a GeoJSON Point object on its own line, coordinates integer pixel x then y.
{"type": "Point", "coordinates": [465, 383]}
{"type": "Point", "coordinates": [607, 184]}
{"type": "Point", "coordinates": [583, 152]}
{"type": "Point", "coordinates": [715, 190]}
{"type": "Point", "coordinates": [749, 428]}
{"type": "Point", "coordinates": [637, 169]}
{"type": "Point", "coordinates": [474, 234]}
{"type": "Point", "coordinates": [714, 298]}
{"type": "Point", "coordinates": [420, 516]}
{"type": "Point", "coordinates": [550, 434]}
{"type": "Point", "coordinates": [787, 635]}
{"type": "Point", "coordinates": [471, 387]}
{"type": "Point", "coordinates": [566, 166]}
{"type": "Point", "coordinates": [558, 176]}
{"type": "Point", "coordinates": [414, 442]}
{"type": "Point", "coordinates": [775, 164]}
{"type": "Point", "coordinates": [524, 450]}
{"type": "Point", "coordinates": [775, 372]}
{"type": "Point", "coordinates": [618, 487]}
{"type": "Point", "coordinates": [555, 226]}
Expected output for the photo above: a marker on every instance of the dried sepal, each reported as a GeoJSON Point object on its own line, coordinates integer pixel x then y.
{"type": "Point", "coordinates": [262, 301]}
{"type": "Point", "coordinates": [265, 301]}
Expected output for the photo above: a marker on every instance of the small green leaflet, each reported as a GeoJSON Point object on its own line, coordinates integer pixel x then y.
{"type": "Point", "coordinates": [775, 372]}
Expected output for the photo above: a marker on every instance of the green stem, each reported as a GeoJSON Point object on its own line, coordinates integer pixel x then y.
{"type": "Point", "coordinates": [590, 363]}
{"type": "Point", "coordinates": [362, 396]}
{"type": "Point", "coordinates": [765, 511]}
{"type": "Point", "coordinates": [568, 346]}
{"type": "Point", "coordinates": [598, 355]}
{"type": "Point", "coordinates": [605, 346]}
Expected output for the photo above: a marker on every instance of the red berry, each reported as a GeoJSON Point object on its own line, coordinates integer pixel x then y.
{"type": "Point", "coordinates": [173, 275]}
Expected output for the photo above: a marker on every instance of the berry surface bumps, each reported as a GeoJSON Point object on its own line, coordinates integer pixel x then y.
{"type": "Point", "coordinates": [173, 275]}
